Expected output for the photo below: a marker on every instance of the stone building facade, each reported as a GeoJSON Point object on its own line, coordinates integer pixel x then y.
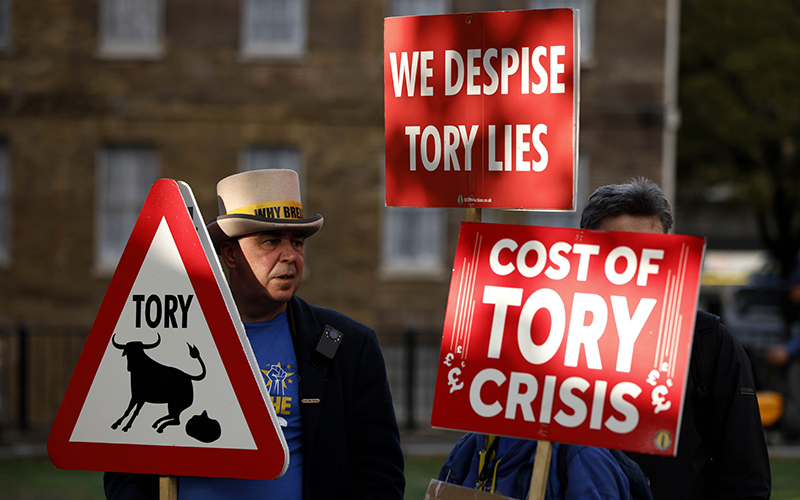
{"type": "Point", "coordinates": [194, 91]}
{"type": "Point", "coordinates": [199, 102]}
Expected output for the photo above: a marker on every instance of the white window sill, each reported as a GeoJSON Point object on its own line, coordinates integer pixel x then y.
{"type": "Point", "coordinates": [131, 52]}
{"type": "Point", "coordinates": [259, 53]}
{"type": "Point", "coordinates": [413, 273]}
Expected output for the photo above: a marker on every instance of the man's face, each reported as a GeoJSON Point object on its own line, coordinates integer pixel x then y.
{"type": "Point", "coordinates": [632, 223]}
{"type": "Point", "coordinates": [268, 265]}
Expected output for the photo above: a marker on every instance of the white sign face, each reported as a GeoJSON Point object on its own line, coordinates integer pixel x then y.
{"type": "Point", "coordinates": [162, 311]}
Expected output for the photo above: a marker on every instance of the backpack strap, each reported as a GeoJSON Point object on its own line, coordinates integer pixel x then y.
{"type": "Point", "coordinates": [487, 464]}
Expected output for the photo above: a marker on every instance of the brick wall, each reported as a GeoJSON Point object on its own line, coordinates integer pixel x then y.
{"type": "Point", "coordinates": [201, 104]}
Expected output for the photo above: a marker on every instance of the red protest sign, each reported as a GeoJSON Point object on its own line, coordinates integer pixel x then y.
{"type": "Point", "coordinates": [481, 109]}
{"type": "Point", "coordinates": [569, 335]}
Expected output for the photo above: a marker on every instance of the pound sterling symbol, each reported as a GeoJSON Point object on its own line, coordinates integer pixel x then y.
{"type": "Point", "coordinates": [658, 399]}
{"type": "Point", "coordinates": [452, 380]}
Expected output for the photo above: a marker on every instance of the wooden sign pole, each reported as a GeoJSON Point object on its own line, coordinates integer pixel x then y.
{"type": "Point", "coordinates": [541, 467]}
{"type": "Point", "coordinates": [168, 488]}
{"type": "Point", "coordinates": [544, 449]}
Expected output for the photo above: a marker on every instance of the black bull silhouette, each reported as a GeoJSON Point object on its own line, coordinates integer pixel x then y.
{"type": "Point", "coordinates": [152, 382]}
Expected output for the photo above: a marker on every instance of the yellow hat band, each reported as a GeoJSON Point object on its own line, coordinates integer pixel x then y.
{"type": "Point", "coordinates": [286, 209]}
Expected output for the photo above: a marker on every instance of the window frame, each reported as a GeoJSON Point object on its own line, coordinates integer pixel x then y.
{"type": "Point", "coordinates": [5, 24]}
{"type": "Point", "coordinates": [259, 148]}
{"type": "Point", "coordinates": [295, 48]}
{"type": "Point", "coordinates": [394, 268]}
{"type": "Point", "coordinates": [427, 259]}
{"type": "Point", "coordinates": [108, 253]}
{"type": "Point", "coordinates": [419, 7]}
{"type": "Point", "coordinates": [110, 47]}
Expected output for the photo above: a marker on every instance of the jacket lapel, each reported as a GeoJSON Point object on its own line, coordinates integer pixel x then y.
{"type": "Point", "coordinates": [305, 331]}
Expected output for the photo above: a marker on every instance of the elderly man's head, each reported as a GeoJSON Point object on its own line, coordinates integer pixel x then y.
{"type": "Point", "coordinates": [260, 236]}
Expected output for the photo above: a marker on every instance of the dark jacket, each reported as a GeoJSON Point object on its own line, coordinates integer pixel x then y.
{"type": "Point", "coordinates": [351, 444]}
{"type": "Point", "coordinates": [722, 452]}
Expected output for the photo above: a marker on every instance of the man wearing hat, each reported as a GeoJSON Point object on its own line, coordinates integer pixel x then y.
{"type": "Point", "coordinates": [324, 371]}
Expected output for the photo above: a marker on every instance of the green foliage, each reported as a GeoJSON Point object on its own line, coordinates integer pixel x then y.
{"type": "Point", "coordinates": [740, 106]}
{"type": "Point", "coordinates": [740, 74]}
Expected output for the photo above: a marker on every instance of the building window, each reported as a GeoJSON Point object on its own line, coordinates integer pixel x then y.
{"type": "Point", "coordinates": [567, 219]}
{"type": "Point", "coordinates": [274, 28]}
{"type": "Point", "coordinates": [131, 28]}
{"type": "Point", "coordinates": [587, 21]}
{"type": "Point", "coordinates": [419, 7]}
{"type": "Point", "coordinates": [413, 242]}
{"type": "Point", "coordinates": [5, 205]}
{"type": "Point", "coordinates": [263, 157]}
{"type": "Point", "coordinates": [124, 177]}
{"type": "Point", "coordinates": [5, 24]}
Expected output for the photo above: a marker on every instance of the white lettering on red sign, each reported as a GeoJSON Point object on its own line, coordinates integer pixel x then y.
{"type": "Point", "coordinates": [523, 389]}
{"type": "Point", "coordinates": [579, 335]}
{"type": "Point", "coordinates": [499, 65]}
{"type": "Point", "coordinates": [560, 267]}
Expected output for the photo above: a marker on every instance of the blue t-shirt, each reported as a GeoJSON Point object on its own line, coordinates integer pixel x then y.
{"type": "Point", "coordinates": [272, 344]}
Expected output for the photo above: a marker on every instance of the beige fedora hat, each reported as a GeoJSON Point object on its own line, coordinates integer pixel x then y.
{"type": "Point", "coordinates": [260, 200]}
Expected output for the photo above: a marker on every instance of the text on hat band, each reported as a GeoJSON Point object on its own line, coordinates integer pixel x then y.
{"type": "Point", "coordinates": [284, 209]}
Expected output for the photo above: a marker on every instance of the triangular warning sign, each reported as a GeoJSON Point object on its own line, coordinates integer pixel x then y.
{"type": "Point", "coordinates": [167, 382]}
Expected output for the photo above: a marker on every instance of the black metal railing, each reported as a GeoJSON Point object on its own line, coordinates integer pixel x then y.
{"type": "Point", "coordinates": [37, 361]}
{"type": "Point", "coordinates": [36, 364]}
{"type": "Point", "coordinates": [411, 361]}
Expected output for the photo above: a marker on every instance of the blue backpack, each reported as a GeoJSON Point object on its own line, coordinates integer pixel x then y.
{"type": "Point", "coordinates": [511, 472]}
{"type": "Point", "coordinates": [640, 485]}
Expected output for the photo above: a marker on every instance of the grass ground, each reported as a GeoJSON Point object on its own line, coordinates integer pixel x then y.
{"type": "Point", "coordinates": [37, 479]}
{"type": "Point", "coordinates": [786, 479]}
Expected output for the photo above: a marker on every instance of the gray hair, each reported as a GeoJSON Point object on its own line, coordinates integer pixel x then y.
{"type": "Point", "coordinates": [640, 198]}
